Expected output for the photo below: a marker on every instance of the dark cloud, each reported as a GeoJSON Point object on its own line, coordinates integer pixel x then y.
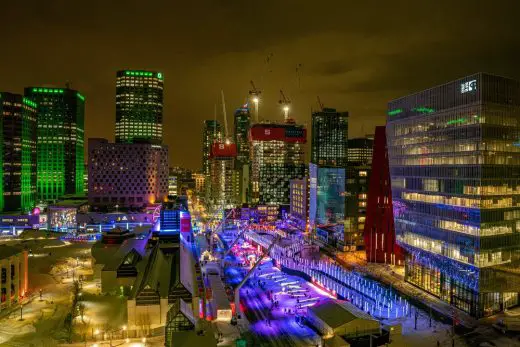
{"type": "Point", "coordinates": [356, 55]}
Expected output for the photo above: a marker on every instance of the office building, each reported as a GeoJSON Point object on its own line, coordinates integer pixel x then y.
{"type": "Point", "coordinates": [117, 178]}
{"type": "Point", "coordinates": [358, 176]}
{"type": "Point", "coordinates": [223, 176]}
{"type": "Point", "coordinates": [200, 179]}
{"type": "Point", "coordinates": [379, 232]}
{"type": "Point", "coordinates": [277, 156]}
{"type": "Point", "coordinates": [17, 152]}
{"type": "Point", "coordinates": [299, 203]}
{"type": "Point", "coordinates": [327, 195]}
{"type": "Point", "coordinates": [139, 106]}
{"type": "Point", "coordinates": [14, 277]}
{"type": "Point", "coordinates": [329, 138]}
{"type": "Point", "coordinates": [210, 134]}
{"type": "Point", "coordinates": [241, 133]}
{"type": "Point", "coordinates": [360, 150]}
{"type": "Point", "coordinates": [241, 137]}
{"type": "Point", "coordinates": [60, 143]}
{"type": "Point", "coordinates": [455, 174]}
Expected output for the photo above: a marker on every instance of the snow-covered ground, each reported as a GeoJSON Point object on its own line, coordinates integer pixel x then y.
{"type": "Point", "coordinates": [53, 266]}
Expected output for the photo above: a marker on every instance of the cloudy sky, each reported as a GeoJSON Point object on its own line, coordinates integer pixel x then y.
{"type": "Point", "coordinates": [354, 55]}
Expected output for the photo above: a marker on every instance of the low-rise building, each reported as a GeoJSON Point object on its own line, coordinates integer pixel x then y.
{"type": "Point", "coordinates": [14, 276]}
{"type": "Point", "coordinates": [127, 174]}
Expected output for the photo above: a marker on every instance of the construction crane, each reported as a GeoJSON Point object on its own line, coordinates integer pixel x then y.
{"type": "Point", "coordinates": [320, 104]}
{"type": "Point", "coordinates": [224, 114]}
{"type": "Point", "coordinates": [255, 97]}
{"type": "Point", "coordinates": [285, 102]}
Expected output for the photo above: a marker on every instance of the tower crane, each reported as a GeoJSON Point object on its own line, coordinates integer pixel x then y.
{"type": "Point", "coordinates": [285, 102]}
{"type": "Point", "coordinates": [320, 104]}
{"type": "Point", "coordinates": [255, 97]}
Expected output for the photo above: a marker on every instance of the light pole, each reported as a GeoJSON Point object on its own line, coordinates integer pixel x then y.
{"type": "Point", "coordinates": [21, 312]}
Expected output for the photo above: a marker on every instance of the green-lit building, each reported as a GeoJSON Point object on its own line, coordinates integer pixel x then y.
{"type": "Point", "coordinates": [60, 143]}
{"type": "Point", "coordinates": [139, 106]}
{"type": "Point", "coordinates": [17, 152]}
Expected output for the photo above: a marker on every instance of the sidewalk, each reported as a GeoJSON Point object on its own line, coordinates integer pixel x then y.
{"type": "Point", "coordinates": [385, 274]}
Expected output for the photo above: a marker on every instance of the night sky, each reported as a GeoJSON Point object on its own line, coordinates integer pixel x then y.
{"type": "Point", "coordinates": [356, 55]}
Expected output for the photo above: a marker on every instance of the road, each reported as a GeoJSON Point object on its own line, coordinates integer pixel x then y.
{"type": "Point", "coordinates": [270, 325]}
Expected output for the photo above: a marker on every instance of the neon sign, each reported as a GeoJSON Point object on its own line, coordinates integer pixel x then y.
{"type": "Point", "coordinates": [469, 86]}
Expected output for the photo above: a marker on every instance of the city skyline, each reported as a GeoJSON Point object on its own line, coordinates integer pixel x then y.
{"type": "Point", "coordinates": [370, 58]}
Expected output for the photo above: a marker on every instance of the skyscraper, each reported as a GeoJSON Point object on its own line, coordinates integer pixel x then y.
{"type": "Point", "coordinates": [277, 156]}
{"type": "Point", "coordinates": [358, 176]}
{"type": "Point", "coordinates": [455, 175]}
{"type": "Point", "coordinates": [210, 134]}
{"type": "Point", "coordinates": [327, 173]}
{"type": "Point", "coordinates": [241, 134]}
{"type": "Point", "coordinates": [223, 176]}
{"type": "Point", "coordinates": [329, 138]}
{"type": "Point", "coordinates": [60, 144]}
{"type": "Point", "coordinates": [17, 152]}
{"type": "Point", "coordinates": [139, 106]}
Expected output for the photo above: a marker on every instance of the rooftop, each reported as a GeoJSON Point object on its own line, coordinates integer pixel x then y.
{"type": "Point", "coordinates": [335, 314]}
{"type": "Point", "coordinates": [8, 251]}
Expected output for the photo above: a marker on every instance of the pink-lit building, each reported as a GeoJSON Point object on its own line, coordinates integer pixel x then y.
{"type": "Point", "coordinates": [127, 175]}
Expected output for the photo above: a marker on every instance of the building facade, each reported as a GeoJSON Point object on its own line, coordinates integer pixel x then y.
{"type": "Point", "coordinates": [299, 202]}
{"type": "Point", "coordinates": [241, 136]}
{"type": "Point", "coordinates": [17, 152]}
{"type": "Point", "coordinates": [329, 138]}
{"type": "Point", "coordinates": [200, 179]}
{"type": "Point", "coordinates": [455, 168]}
{"type": "Point", "coordinates": [327, 195]}
{"type": "Point", "coordinates": [358, 176]}
{"type": "Point", "coordinates": [241, 133]}
{"type": "Point", "coordinates": [14, 276]}
{"type": "Point", "coordinates": [210, 134]}
{"type": "Point", "coordinates": [117, 178]}
{"type": "Point", "coordinates": [223, 176]}
{"type": "Point", "coordinates": [277, 156]}
{"type": "Point", "coordinates": [139, 106]}
{"type": "Point", "coordinates": [60, 143]}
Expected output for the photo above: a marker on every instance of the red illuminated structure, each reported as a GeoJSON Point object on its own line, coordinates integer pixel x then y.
{"type": "Point", "coordinates": [223, 150]}
{"type": "Point", "coordinates": [379, 235]}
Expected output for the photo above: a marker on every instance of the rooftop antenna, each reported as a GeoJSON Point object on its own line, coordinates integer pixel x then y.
{"type": "Point", "coordinates": [225, 116]}
{"type": "Point", "coordinates": [255, 97]}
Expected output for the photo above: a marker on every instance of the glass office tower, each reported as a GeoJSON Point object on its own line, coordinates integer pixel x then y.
{"type": "Point", "coordinates": [454, 155]}
{"type": "Point", "coordinates": [17, 152]}
{"type": "Point", "coordinates": [329, 138]}
{"type": "Point", "coordinates": [210, 134]}
{"type": "Point", "coordinates": [60, 144]}
{"type": "Point", "coordinates": [139, 106]}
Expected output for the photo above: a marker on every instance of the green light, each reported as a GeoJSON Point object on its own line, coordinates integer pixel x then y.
{"type": "Point", "coordinates": [159, 75]}
{"type": "Point", "coordinates": [394, 112]}
{"type": "Point", "coordinates": [81, 97]}
{"type": "Point", "coordinates": [30, 103]}
{"type": "Point", "coordinates": [423, 109]}
{"type": "Point", "coordinates": [455, 121]}
{"type": "Point", "coordinates": [35, 90]}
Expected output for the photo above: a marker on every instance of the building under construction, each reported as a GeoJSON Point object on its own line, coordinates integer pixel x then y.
{"type": "Point", "coordinates": [277, 156]}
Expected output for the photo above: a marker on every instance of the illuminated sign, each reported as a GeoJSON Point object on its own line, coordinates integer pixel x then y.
{"type": "Point", "coordinates": [469, 86]}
